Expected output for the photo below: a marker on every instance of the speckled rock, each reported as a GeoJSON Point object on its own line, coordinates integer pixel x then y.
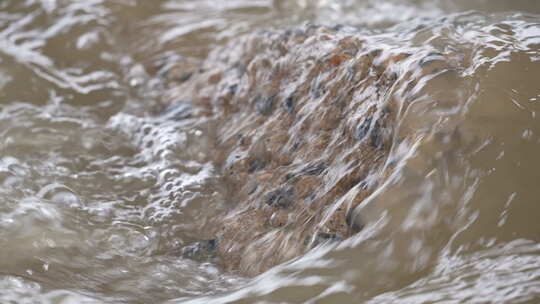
{"type": "Point", "coordinates": [303, 122]}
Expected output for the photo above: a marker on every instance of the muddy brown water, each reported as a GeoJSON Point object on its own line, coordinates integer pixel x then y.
{"type": "Point", "coordinates": [100, 197]}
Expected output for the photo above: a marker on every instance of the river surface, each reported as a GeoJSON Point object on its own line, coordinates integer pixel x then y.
{"type": "Point", "coordinates": [94, 210]}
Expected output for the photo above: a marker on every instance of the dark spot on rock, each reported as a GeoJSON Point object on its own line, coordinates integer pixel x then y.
{"type": "Point", "coordinates": [316, 91]}
{"type": "Point", "coordinates": [201, 250]}
{"type": "Point", "coordinates": [264, 105]}
{"type": "Point", "coordinates": [290, 175]}
{"type": "Point", "coordinates": [376, 138]}
{"type": "Point", "coordinates": [184, 76]}
{"type": "Point", "coordinates": [242, 140]}
{"type": "Point", "coordinates": [233, 88]}
{"type": "Point", "coordinates": [289, 104]}
{"type": "Point", "coordinates": [310, 169]}
{"type": "Point", "coordinates": [353, 222]}
{"type": "Point", "coordinates": [375, 53]}
{"type": "Point", "coordinates": [255, 165]}
{"type": "Point", "coordinates": [281, 198]}
{"type": "Point", "coordinates": [299, 32]}
{"type": "Point", "coordinates": [146, 130]}
{"type": "Point", "coordinates": [212, 244]}
{"type": "Point", "coordinates": [314, 169]}
{"type": "Point", "coordinates": [338, 27]}
{"type": "Point", "coordinates": [322, 238]}
{"type": "Point", "coordinates": [373, 130]}
{"type": "Point", "coordinates": [327, 236]}
{"type": "Point", "coordinates": [363, 129]}
{"type": "Point", "coordinates": [296, 145]}
{"type": "Point", "coordinates": [363, 185]}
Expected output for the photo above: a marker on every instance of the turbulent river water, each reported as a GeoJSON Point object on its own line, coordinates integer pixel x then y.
{"type": "Point", "coordinates": [100, 197]}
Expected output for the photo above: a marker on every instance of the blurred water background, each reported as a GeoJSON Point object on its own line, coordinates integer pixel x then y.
{"type": "Point", "coordinates": [91, 212]}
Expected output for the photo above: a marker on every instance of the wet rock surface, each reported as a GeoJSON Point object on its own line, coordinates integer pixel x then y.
{"type": "Point", "coordinates": [304, 123]}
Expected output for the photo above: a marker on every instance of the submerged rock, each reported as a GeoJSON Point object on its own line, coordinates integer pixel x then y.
{"type": "Point", "coordinates": [304, 124]}
{"type": "Point", "coordinates": [201, 250]}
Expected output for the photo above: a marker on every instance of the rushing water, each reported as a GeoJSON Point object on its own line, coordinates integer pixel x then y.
{"type": "Point", "coordinates": [100, 197]}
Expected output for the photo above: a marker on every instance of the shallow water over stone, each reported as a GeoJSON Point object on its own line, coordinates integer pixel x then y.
{"type": "Point", "coordinates": [112, 178]}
